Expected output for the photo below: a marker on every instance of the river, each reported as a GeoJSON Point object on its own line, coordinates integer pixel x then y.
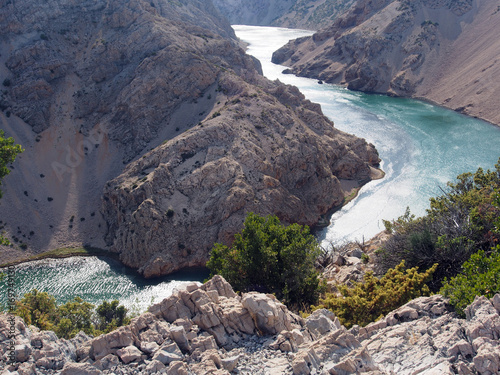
{"type": "Point", "coordinates": [421, 146]}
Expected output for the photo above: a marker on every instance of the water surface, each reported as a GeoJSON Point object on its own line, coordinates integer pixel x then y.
{"type": "Point", "coordinates": [422, 146]}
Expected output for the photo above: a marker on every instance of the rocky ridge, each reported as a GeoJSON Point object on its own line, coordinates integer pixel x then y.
{"type": "Point", "coordinates": [145, 125]}
{"type": "Point", "coordinates": [209, 329]}
{"type": "Point", "coordinates": [442, 51]}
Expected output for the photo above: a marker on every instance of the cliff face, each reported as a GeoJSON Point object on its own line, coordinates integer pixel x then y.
{"type": "Point", "coordinates": [443, 51]}
{"type": "Point", "coordinates": [210, 329]}
{"type": "Point", "coordinates": [300, 14]}
{"type": "Point", "coordinates": [149, 131]}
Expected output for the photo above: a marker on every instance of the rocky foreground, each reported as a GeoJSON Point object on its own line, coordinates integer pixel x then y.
{"type": "Point", "coordinates": [442, 51]}
{"type": "Point", "coordinates": [209, 329]}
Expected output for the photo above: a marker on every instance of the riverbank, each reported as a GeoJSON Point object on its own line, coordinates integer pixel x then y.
{"type": "Point", "coordinates": [62, 253]}
{"type": "Point", "coordinates": [351, 190]}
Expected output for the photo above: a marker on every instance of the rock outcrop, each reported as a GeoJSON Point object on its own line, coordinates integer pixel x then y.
{"type": "Point", "coordinates": [299, 14]}
{"type": "Point", "coordinates": [265, 150]}
{"type": "Point", "coordinates": [211, 329]}
{"type": "Point", "coordinates": [442, 51]}
{"type": "Point", "coordinates": [153, 105]}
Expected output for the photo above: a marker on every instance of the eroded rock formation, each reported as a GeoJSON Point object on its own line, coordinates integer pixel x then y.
{"type": "Point", "coordinates": [265, 150]}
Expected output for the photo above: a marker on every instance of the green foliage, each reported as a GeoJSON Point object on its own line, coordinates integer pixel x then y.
{"type": "Point", "coordinates": [110, 315]}
{"type": "Point", "coordinates": [74, 316]}
{"type": "Point", "coordinates": [40, 309]}
{"type": "Point", "coordinates": [480, 277]}
{"type": "Point", "coordinates": [270, 257]}
{"type": "Point", "coordinates": [371, 299]}
{"type": "Point", "coordinates": [8, 153]}
{"type": "Point", "coordinates": [457, 224]}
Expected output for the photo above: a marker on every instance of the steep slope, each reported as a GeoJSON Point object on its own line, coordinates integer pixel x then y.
{"type": "Point", "coordinates": [140, 101]}
{"type": "Point", "coordinates": [299, 14]}
{"type": "Point", "coordinates": [443, 51]}
{"type": "Point", "coordinates": [89, 86]}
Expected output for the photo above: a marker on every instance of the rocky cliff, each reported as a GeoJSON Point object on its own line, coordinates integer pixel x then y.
{"type": "Point", "coordinates": [209, 329]}
{"type": "Point", "coordinates": [149, 131]}
{"type": "Point", "coordinates": [300, 14]}
{"type": "Point", "coordinates": [263, 149]}
{"type": "Point", "coordinates": [442, 51]}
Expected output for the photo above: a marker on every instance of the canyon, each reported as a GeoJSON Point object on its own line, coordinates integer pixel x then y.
{"type": "Point", "coordinates": [150, 133]}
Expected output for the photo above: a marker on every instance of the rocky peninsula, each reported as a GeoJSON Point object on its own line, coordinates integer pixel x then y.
{"type": "Point", "coordinates": [149, 132]}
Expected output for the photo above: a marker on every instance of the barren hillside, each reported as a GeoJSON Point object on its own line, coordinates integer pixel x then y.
{"type": "Point", "coordinates": [443, 51]}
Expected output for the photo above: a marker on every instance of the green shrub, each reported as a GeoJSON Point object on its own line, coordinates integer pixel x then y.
{"type": "Point", "coordinates": [480, 277]}
{"type": "Point", "coordinates": [74, 316]}
{"type": "Point", "coordinates": [111, 315]}
{"type": "Point", "coordinates": [457, 224]}
{"type": "Point", "coordinates": [40, 309]}
{"type": "Point", "coordinates": [371, 299]}
{"type": "Point", "coordinates": [270, 257]}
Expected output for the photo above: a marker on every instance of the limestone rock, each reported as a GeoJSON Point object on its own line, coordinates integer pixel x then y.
{"type": "Point", "coordinates": [259, 155]}
{"type": "Point", "coordinates": [107, 363]}
{"type": "Point", "coordinates": [321, 322]}
{"type": "Point", "coordinates": [270, 315]}
{"type": "Point", "coordinates": [423, 337]}
{"type": "Point", "coordinates": [111, 342]}
{"type": "Point", "coordinates": [71, 368]}
{"type": "Point", "coordinates": [155, 366]}
{"type": "Point", "coordinates": [129, 354]}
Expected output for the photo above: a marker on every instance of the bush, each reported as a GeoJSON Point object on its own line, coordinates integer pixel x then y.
{"type": "Point", "coordinates": [480, 277]}
{"type": "Point", "coordinates": [74, 316]}
{"type": "Point", "coordinates": [272, 258]}
{"type": "Point", "coordinates": [111, 316]}
{"type": "Point", "coordinates": [40, 309]}
{"type": "Point", "coordinates": [458, 224]}
{"type": "Point", "coordinates": [371, 299]}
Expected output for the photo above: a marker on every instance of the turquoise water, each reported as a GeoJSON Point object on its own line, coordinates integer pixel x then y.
{"type": "Point", "coordinates": [422, 147]}
{"type": "Point", "coordinates": [95, 280]}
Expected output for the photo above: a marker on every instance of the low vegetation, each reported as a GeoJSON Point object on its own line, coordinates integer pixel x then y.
{"type": "Point", "coordinates": [375, 297]}
{"type": "Point", "coordinates": [272, 258]}
{"type": "Point", "coordinates": [66, 320]}
{"type": "Point", "coordinates": [480, 277]}
{"type": "Point", "coordinates": [459, 223]}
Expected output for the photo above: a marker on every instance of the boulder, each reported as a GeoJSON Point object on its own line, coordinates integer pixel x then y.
{"type": "Point", "coordinates": [155, 366]}
{"type": "Point", "coordinates": [129, 354]}
{"type": "Point", "coordinates": [108, 362]}
{"type": "Point", "coordinates": [321, 322]}
{"type": "Point", "coordinates": [109, 343]}
{"type": "Point", "coordinates": [269, 315]}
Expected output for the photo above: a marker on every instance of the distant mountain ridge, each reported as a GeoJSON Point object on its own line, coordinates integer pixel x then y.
{"type": "Point", "coordinates": [442, 51]}
{"type": "Point", "coordinates": [298, 14]}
